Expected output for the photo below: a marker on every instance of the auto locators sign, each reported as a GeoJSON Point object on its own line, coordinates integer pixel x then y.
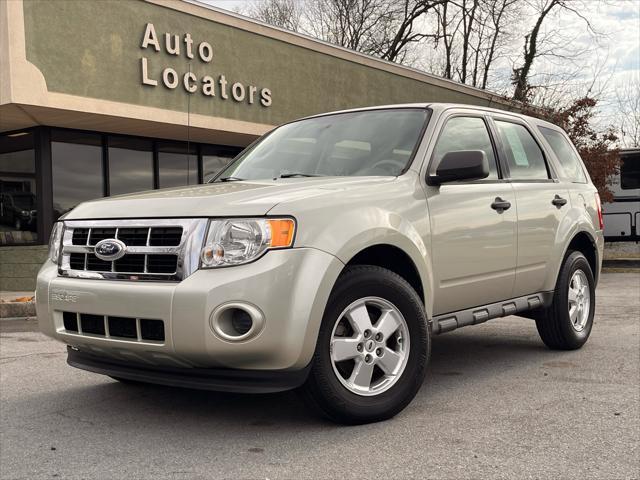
{"type": "Point", "coordinates": [214, 86]}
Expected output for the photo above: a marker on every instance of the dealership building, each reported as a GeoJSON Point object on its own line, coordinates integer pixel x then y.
{"type": "Point", "coordinates": [109, 97]}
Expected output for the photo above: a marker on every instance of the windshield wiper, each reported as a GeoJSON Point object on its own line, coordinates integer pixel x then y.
{"type": "Point", "coordinates": [230, 179]}
{"type": "Point", "coordinates": [296, 174]}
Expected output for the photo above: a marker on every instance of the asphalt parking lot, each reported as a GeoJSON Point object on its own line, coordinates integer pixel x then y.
{"type": "Point", "coordinates": [496, 404]}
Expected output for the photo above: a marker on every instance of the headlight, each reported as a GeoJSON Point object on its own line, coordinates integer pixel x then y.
{"type": "Point", "coordinates": [54, 242]}
{"type": "Point", "coordinates": [242, 240]}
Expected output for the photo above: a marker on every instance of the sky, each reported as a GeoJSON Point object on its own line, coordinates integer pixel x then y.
{"type": "Point", "coordinates": [604, 58]}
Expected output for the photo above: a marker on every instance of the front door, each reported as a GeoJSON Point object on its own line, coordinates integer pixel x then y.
{"type": "Point", "coordinates": [473, 224]}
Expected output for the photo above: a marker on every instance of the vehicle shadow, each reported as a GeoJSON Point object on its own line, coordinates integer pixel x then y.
{"type": "Point", "coordinates": [470, 355]}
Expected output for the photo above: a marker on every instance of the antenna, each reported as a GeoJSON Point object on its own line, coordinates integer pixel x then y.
{"type": "Point", "coordinates": [189, 131]}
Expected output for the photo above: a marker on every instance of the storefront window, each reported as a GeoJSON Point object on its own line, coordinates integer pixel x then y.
{"type": "Point", "coordinates": [214, 159]}
{"type": "Point", "coordinates": [130, 165]}
{"type": "Point", "coordinates": [18, 200]}
{"type": "Point", "coordinates": [175, 166]}
{"type": "Point", "coordinates": [76, 161]}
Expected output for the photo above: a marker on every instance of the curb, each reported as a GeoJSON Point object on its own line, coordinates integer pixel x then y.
{"type": "Point", "coordinates": [621, 263]}
{"type": "Point", "coordinates": [17, 310]}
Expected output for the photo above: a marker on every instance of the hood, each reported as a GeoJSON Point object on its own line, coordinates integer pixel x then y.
{"type": "Point", "coordinates": [241, 198]}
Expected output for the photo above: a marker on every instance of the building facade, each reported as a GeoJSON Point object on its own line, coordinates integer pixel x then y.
{"type": "Point", "coordinates": [117, 96]}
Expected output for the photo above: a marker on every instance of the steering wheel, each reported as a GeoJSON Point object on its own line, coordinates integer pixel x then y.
{"type": "Point", "coordinates": [393, 167]}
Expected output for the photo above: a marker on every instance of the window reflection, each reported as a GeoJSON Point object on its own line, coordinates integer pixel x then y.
{"type": "Point", "coordinates": [76, 161]}
{"type": "Point", "coordinates": [18, 200]}
{"type": "Point", "coordinates": [176, 168]}
{"type": "Point", "coordinates": [465, 133]}
{"type": "Point", "coordinates": [214, 159]}
{"type": "Point", "coordinates": [130, 165]}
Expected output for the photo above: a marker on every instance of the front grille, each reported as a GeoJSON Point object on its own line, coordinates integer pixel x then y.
{"type": "Point", "coordinates": [154, 249]}
{"type": "Point", "coordinates": [92, 324]}
{"type": "Point", "coordinates": [130, 263]}
{"type": "Point", "coordinates": [107, 326]}
{"type": "Point", "coordinates": [165, 237]}
{"type": "Point", "coordinates": [97, 265]}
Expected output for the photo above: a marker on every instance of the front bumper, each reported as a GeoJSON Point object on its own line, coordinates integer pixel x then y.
{"type": "Point", "coordinates": [291, 288]}
{"type": "Point", "coordinates": [218, 379]}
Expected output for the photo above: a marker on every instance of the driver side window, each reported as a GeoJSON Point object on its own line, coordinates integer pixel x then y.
{"type": "Point", "coordinates": [465, 133]}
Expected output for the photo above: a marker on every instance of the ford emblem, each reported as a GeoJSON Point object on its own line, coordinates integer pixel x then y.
{"type": "Point", "coordinates": [110, 249]}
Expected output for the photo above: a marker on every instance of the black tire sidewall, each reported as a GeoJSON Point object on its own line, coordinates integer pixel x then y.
{"type": "Point", "coordinates": [574, 261]}
{"type": "Point", "coordinates": [334, 399]}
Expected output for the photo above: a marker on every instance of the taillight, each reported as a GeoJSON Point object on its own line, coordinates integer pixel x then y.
{"type": "Point", "coordinates": [599, 208]}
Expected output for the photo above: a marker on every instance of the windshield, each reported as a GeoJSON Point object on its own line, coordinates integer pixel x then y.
{"type": "Point", "coordinates": [373, 142]}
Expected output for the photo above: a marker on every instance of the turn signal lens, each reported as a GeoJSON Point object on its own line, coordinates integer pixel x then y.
{"type": "Point", "coordinates": [282, 231]}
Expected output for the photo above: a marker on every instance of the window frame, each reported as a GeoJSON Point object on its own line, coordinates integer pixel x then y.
{"type": "Point", "coordinates": [44, 175]}
{"type": "Point", "coordinates": [492, 137]}
{"type": "Point", "coordinates": [40, 137]}
{"type": "Point", "coordinates": [552, 176]}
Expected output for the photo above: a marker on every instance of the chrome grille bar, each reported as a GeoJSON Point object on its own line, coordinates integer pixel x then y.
{"type": "Point", "coordinates": [185, 254]}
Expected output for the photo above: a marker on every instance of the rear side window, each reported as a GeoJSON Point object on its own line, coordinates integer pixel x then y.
{"type": "Point", "coordinates": [567, 157]}
{"type": "Point", "coordinates": [465, 133]}
{"type": "Point", "coordinates": [524, 157]}
{"type": "Point", "coordinates": [630, 172]}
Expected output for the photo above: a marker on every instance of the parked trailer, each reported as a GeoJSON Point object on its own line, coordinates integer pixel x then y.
{"type": "Point", "coordinates": [622, 216]}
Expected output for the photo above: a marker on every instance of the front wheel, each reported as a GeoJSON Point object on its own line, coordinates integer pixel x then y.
{"type": "Point", "coordinates": [567, 323]}
{"type": "Point", "coordinates": [373, 348]}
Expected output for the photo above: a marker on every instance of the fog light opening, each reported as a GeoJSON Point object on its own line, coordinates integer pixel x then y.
{"type": "Point", "coordinates": [236, 321]}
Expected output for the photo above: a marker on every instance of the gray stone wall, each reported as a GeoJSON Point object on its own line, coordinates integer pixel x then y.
{"type": "Point", "coordinates": [19, 267]}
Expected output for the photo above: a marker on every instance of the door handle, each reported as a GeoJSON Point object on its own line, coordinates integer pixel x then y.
{"type": "Point", "coordinates": [500, 205]}
{"type": "Point", "coordinates": [558, 201]}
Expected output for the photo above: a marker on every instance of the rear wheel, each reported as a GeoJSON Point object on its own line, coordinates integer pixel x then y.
{"type": "Point", "coordinates": [567, 323]}
{"type": "Point", "coordinates": [372, 350]}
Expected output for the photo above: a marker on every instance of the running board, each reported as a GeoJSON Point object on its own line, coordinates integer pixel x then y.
{"type": "Point", "coordinates": [473, 316]}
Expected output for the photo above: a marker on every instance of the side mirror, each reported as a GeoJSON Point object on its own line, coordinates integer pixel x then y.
{"type": "Point", "coordinates": [460, 165]}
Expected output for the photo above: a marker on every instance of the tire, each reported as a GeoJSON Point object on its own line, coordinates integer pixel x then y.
{"type": "Point", "coordinates": [393, 382]}
{"type": "Point", "coordinates": [557, 329]}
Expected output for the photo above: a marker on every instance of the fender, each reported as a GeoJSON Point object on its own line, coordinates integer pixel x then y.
{"type": "Point", "coordinates": [575, 221]}
{"type": "Point", "coordinates": [357, 232]}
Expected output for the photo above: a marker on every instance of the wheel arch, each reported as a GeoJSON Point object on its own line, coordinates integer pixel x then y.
{"type": "Point", "coordinates": [583, 242]}
{"type": "Point", "coordinates": [394, 259]}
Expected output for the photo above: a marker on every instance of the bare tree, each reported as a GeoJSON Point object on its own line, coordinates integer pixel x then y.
{"type": "Point", "coordinates": [279, 13]}
{"type": "Point", "coordinates": [627, 106]}
{"type": "Point", "coordinates": [555, 40]}
{"type": "Point", "coordinates": [521, 74]}
{"type": "Point", "coordinates": [472, 34]}
{"type": "Point", "coordinates": [383, 28]}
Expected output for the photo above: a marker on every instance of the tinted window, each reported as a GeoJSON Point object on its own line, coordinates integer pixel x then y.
{"type": "Point", "coordinates": [76, 160]}
{"type": "Point", "coordinates": [524, 157]}
{"type": "Point", "coordinates": [465, 133]}
{"type": "Point", "coordinates": [570, 164]}
{"type": "Point", "coordinates": [176, 167]}
{"type": "Point", "coordinates": [373, 142]}
{"type": "Point", "coordinates": [630, 172]}
{"type": "Point", "coordinates": [130, 165]}
{"type": "Point", "coordinates": [18, 200]}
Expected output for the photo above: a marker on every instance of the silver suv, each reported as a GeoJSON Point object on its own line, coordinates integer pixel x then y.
{"type": "Point", "coordinates": [328, 253]}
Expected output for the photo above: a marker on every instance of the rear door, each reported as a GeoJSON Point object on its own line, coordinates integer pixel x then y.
{"type": "Point", "coordinates": [473, 242]}
{"type": "Point", "coordinates": [542, 201]}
